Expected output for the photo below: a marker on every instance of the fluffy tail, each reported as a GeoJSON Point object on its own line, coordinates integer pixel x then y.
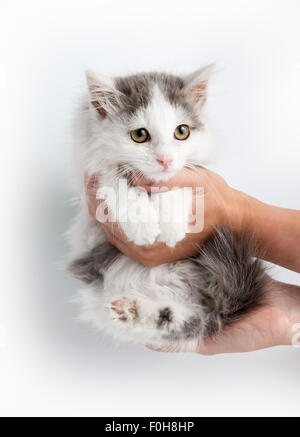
{"type": "Point", "coordinates": [232, 282]}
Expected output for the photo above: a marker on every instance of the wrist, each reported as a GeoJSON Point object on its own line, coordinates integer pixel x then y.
{"type": "Point", "coordinates": [239, 212]}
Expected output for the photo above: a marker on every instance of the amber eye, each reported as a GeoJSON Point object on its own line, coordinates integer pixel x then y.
{"type": "Point", "coordinates": [139, 135]}
{"type": "Point", "coordinates": [182, 132]}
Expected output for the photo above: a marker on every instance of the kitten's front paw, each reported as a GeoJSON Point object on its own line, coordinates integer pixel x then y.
{"type": "Point", "coordinates": [141, 234]}
{"type": "Point", "coordinates": [172, 233]}
{"type": "Point", "coordinates": [174, 209]}
{"type": "Point", "coordinates": [140, 221]}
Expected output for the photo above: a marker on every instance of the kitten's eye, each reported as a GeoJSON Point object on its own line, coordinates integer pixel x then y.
{"type": "Point", "coordinates": [139, 135]}
{"type": "Point", "coordinates": [182, 132]}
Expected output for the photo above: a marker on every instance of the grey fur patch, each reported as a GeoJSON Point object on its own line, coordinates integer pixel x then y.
{"type": "Point", "coordinates": [90, 268]}
{"type": "Point", "coordinates": [164, 317]}
{"type": "Point", "coordinates": [137, 92]}
{"type": "Point", "coordinates": [228, 281]}
{"type": "Point", "coordinates": [233, 283]}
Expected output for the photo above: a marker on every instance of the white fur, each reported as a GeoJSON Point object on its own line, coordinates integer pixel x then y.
{"type": "Point", "coordinates": [100, 144]}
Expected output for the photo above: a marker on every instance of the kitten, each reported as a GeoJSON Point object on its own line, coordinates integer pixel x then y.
{"type": "Point", "coordinates": [153, 125]}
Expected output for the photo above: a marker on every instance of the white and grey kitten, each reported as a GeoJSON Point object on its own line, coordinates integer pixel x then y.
{"type": "Point", "coordinates": [153, 124]}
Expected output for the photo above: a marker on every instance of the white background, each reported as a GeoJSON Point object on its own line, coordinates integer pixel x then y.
{"type": "Point", "coordinates": [50, 364]}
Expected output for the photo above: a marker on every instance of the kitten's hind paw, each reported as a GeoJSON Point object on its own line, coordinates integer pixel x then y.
{"type": "Point", "coordinates": [124, 309]}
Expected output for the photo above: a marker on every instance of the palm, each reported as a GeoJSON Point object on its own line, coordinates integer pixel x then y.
{"type": "Point", "coordinates": [269, 325]}
{"type": "Point", "coordinates": [258, 330]}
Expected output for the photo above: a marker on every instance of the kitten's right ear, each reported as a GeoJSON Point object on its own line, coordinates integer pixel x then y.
{"type": "Point", "coordinates": [103, 94]}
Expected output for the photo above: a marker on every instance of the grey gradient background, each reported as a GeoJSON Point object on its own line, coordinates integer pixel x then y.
{"type": "Point", "coordinates": [50, 364]}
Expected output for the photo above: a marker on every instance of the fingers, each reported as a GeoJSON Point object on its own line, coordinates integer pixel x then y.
{"type": "Point", "coordinates": [91, 187]}
{"type": "Point", "coordinates": [123, 246]}
{"type": "Point", "coordinates": [184, 347]}
{"type": "Point", "coordinates": [207, 346]}
{"type": "Point", "coordinates": [148, 255]}
{"type": "Point", "coordinates": [113, 231]}
{"type": "Point", "coordinates": [166, 348]}
{"type": "Point", "coordinates": [91, 184]}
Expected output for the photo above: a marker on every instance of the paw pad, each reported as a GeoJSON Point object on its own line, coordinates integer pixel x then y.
{"type": "Point", "coordinates": [124, 309]}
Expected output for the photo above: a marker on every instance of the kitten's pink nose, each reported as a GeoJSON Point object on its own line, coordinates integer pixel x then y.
{"type": "Point", "coordinates": [165, 161]}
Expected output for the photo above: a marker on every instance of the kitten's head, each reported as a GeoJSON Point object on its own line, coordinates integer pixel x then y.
{"type": "Point", "coordinates": [152, 123]}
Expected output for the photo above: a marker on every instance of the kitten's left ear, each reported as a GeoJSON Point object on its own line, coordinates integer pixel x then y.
{"type": "Point", "coordinates": [103, 94]}
{"type": "Point", "coordinates": [195, 86]}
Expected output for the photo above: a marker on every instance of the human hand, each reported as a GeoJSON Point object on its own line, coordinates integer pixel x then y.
{"type": "Point", "coordinates": [278, 228]}
{"type": "Point", "coordinates": [221, 205]}
{"type": "Point", "coordinates": [270, 325]}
